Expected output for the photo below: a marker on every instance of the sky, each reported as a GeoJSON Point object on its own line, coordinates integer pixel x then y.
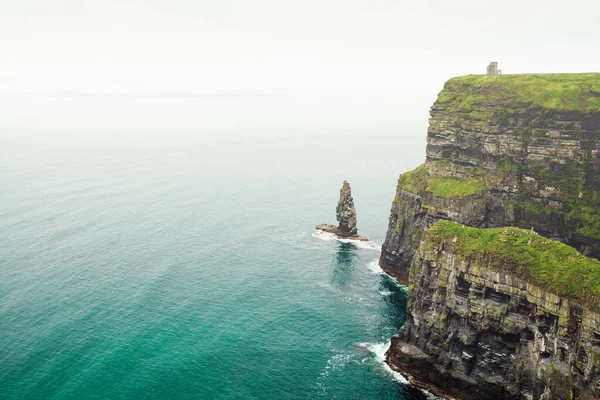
{"type": "Point", "coordinates": [198, 46]}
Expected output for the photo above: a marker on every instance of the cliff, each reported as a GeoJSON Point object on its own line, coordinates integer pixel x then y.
{"type": "Point", "coordinates": [509, 150]}
{"type": "Point", "coordinates": [501, 314]}
{"type": "Point", "coordinates": [490, 314]}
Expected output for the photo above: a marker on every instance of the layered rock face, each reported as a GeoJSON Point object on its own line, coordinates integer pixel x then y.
{"type": "Point", "coordinates": [346, 216]}
{"type": "Point", "coordinates": [478, 328]}
{"type": "Point", "coordinates": [345, 211]}
{"type": "Point", "coordinates": [520, 151]}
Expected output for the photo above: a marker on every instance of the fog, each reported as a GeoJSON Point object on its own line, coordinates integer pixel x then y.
{"type": "Point", "coordinates": [47, 121]}
{"type": "Point", "coordinates": [197, 46]}
{"type": "Point", "coordinates": [185, 68]}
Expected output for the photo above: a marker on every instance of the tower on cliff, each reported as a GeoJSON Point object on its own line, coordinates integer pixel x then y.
{"type": "Point", "coordinates": [492, 69]}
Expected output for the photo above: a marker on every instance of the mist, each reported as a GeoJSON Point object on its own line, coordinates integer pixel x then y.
{"type": "Point", "coordinates": [186, 46]}
{"type": "Point", "coordinates": [144, 71]}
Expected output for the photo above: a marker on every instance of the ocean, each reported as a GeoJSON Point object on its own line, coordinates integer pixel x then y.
{"type": "Point", "coordinates": [163, 247]}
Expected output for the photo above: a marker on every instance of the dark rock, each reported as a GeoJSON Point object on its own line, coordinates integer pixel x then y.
{"type": "Point", "coordinates": [496, 158]}
{"type": "Point", "coordinates": [475, 333]}
{"type": "Point", "coordinates": [346, 216]}
{"type": "Point", "coordinates": [537, 167]}
{"type": "Point", "coordinates": [345, 211]}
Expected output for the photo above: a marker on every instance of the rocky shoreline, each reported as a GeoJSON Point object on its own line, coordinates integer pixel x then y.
{"type": "Point", "coordinates": [339, 233]}
{"type": "Point", "coordinates": [496, 312]}
{"type": "Point", "coordinates": [395, 366]}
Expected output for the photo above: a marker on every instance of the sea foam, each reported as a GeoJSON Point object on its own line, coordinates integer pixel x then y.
{"type": "Point", "coordinates": [361, 244]}
{"type": "Point", "coordinates": [326, 236]}
{"type": "Point", "coordinates": [378, 350]}
{"type": "Point", "coordinates": [374, 267]}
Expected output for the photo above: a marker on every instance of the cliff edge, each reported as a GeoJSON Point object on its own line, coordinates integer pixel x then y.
{"type": "Point", "coordinates": [502, 151]}
{"type": "Point", "coordinates": [509, 150]}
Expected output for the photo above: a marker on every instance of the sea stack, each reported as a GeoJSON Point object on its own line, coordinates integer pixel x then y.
{"type": "Point", "coordinates": [346, 216]}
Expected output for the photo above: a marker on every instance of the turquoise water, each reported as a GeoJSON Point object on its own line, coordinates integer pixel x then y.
{"type": "Point", "coordinates": [187, 266]}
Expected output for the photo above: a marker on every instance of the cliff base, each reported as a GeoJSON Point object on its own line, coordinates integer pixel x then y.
{"type": "Point", "coordinates": [340, 233]}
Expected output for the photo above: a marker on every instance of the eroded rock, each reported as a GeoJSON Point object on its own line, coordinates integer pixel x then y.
{"type": "Point", "coordinates": [474, 332]}
{"type": "Point", "coordinates": [346, 212]}
{"type": "Point", "coordinates": [499, 155]}
{"type": "Point", "coordinates": [346, 216]}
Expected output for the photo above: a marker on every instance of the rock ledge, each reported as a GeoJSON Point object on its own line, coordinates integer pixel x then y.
{"type": "Point", "coordinates": [340, 233]}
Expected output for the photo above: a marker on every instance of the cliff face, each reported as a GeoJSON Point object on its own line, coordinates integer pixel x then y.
{"type": "Point", "coordinates": [482, 327]}
{"type": "Point", "coordinates": [345, 211]}
{"type": "Point", "coordinates": [521, 151]}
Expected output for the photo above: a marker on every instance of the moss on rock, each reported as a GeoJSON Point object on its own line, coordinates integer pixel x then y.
{"type": "Point", "coordinates": [548, 263]}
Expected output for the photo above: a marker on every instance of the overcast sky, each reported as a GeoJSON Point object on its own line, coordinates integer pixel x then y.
{"type": "Point", "coordinates": [208, 45]}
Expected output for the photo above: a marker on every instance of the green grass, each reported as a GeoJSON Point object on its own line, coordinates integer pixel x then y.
{"type": "Point", "coordinates": [451, 187]}
{"type": "Point", "coordinates": [547, 263]}
{"type": "Point", "coordinates": [508, 165]}
{"type": "Point", "coordinates": [567, 92]}
{"type": "Point", "coordinates": [414, 181]}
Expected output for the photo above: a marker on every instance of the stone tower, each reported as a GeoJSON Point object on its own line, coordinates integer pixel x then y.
{"type": "Point", "coordinates": [492, 69]}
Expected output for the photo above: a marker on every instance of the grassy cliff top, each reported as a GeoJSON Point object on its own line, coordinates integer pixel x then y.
{"type": "Point", "coordinates": [565, 92]}
{"type": "Point", "coordinates": [417, 182]}
{"type": "Point", "coordinates": [547, 263]}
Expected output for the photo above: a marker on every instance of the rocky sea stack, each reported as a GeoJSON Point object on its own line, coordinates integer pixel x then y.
{"type": "Point", "coordinates": [346, 216]}
{"type": "Point", "coordinates": [495, 311]}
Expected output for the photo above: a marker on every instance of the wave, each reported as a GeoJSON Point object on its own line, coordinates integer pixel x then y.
{"type": "Point", "coordinates": [395, 282]}
{"type": "Point", "coordinates": [361, 244]}
{"type": "Point", "coordinates": [326, 236]}
{"type": "Point", "coordinates": [336, 362]}
{"type": "Point", "coordinates": [378, 350]}
{"type": "Point", "coordinates": [374, 267]}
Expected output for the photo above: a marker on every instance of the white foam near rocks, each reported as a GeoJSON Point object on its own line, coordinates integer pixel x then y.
{"type": "Point", "coordinates": [361, 244]}
{"type": "Point", "coordinates": [374, 267]}
{"type": "Point", "coordinates": [378, 350]}
{"type": "Point", "coordinates": [326, 236]}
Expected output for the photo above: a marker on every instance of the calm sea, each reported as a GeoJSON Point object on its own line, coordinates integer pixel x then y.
{"type": "Point", "coordinates": [164, 247]}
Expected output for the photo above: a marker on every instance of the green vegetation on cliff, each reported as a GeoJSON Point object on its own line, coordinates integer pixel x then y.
{"type": "Point", "coordinates": [547, 263]}
{"type": "Point", "coordinates": [567, 92]}
{"type": "Point", "coordinates": [576, 183]}
{"type": "Point", "coordinates": [451, 187]}
{"type": "Point", "coordinates": [416, 182]}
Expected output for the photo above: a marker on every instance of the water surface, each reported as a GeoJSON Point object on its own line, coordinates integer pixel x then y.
{"type": "Point", "coordinates": [164, 247]}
